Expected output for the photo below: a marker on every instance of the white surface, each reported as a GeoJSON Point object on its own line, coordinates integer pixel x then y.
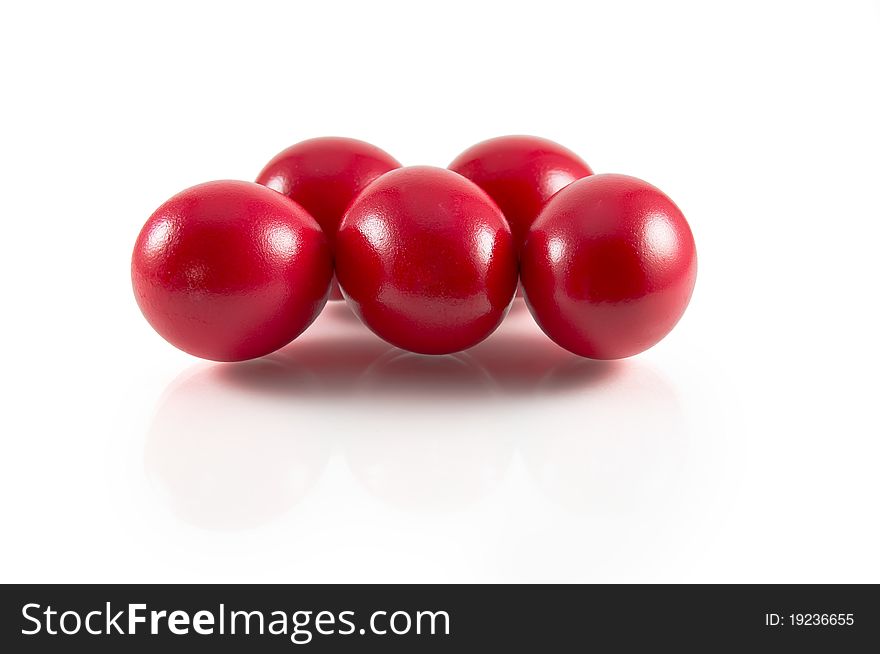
{"type": "Point", "coordinates": [742, 448]}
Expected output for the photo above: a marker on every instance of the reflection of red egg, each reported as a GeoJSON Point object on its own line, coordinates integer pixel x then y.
{"type": "Point", "coordinates": [445, 460]}
{"type": "Point", "coordinates": [230, 270]}
{"type": "Point", "coordinates": [324, 175]}
{"type": "Point", "coordinates": [224, 458]}
{"type": "Point", "coordinates": [431, 468]}
{"type": "Point", "coordinates": [609, 266]}
{"type": "Point", "coordinates": [520, 173]}
{"type": "Point", "coordinates": [614, 460]}
{"type": "Point", "coordinates": [426, 260]}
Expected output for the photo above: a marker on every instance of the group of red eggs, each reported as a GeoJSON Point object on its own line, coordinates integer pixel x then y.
{"type": "Point", "coordinates": [428, 258]}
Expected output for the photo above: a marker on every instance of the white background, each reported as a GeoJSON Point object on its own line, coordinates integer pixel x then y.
{"type": "Point", "coordinates": [744, 447]}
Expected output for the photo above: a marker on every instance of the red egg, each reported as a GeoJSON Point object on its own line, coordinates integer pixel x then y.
{"type": "Point", "coordinates": [520, 173]}
{"type": "Point", "coordinates": [608, 267]}
{"type": "Point", "coordinates": [426, 260]}
{"type": "Point", "coordinates": [230, 270]}
{"type": "Point", "coordinates": [324, 175]}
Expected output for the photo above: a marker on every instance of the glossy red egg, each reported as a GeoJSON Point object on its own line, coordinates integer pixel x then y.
{"type": "Point", "coordinates": [426, 260]}
{"type": "Point", "coordinates": [230, 270]}
{"type": "Point", "coordinates": [520, 173]}
{"type": "Point", "coordinates": [324, 175]}
{"type": "Point", "coordinates": [609, 266]}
